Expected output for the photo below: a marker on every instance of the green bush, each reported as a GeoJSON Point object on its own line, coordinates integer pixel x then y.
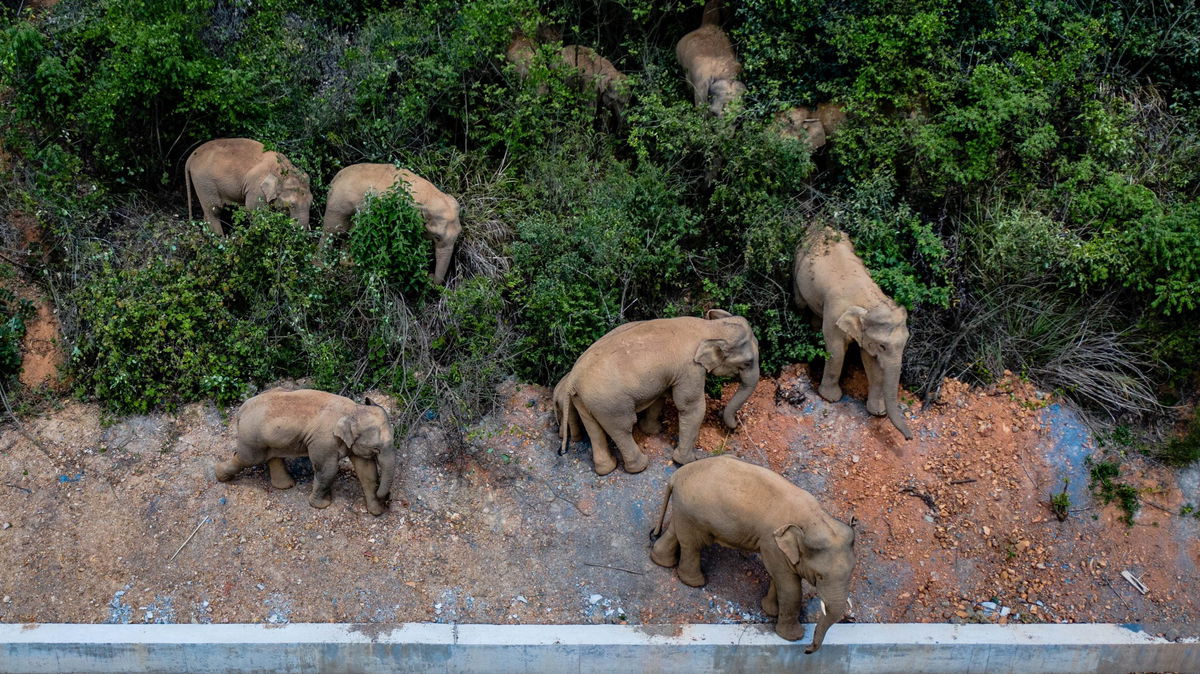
{"type": "Point", "coordinates": [12, 330]}
{"type": "Point", "coordinates": [388, 238]}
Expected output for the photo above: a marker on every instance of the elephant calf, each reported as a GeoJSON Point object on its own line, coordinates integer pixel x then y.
{"type": "Point", "coordinates": [832, 280]}
{"type": "Point", "coordinates": [747, 507]}
{"type": "Point", "coordinates": [323, 426]}
{"type": "Point", "coordinates": [630, 369]}
{"type": "Point", "coordinates": [240, 172]}
{"type": "Point", "coordinates": [440, 210]}
{"type": "Point", "coordinates": [814, 127]}
{"type": "Point", "coordinates": [712, 68]}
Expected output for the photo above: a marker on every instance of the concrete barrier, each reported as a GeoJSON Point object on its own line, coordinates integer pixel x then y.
{"type": "Point", "coordinates": [694, 649]}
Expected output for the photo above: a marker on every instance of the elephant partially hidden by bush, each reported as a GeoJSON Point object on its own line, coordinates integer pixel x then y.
{"type": "Point", "coordinates": [711, 66]}
{"type": "Point", "coordinates": [352, 184]}
{"type": "Point", "coordinates": [634, 366]}
{"type": "Point", "coordinates": [322, 426]}
{"type": "Point", "coordinates": [747, 507]}
{"type": "Point", "coordinates": [814, 127]}
{"type": "Point", "coordinates": [240, 172]}
{"type": "Point", "coordinates": [832, 280]}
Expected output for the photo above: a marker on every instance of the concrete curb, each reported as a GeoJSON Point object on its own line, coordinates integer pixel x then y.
{"type": "Point", "coordinates": [694, 649]}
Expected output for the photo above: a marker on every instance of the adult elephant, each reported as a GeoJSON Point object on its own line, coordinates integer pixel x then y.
{"type": "Point", "coordinates": [240, 172]}
{"type": "Point", "coordinates": [832, 280]}
{"type": "Point", "coordinates": [633, 367]}
{"type": "Point", "coordinates": [352, 184]}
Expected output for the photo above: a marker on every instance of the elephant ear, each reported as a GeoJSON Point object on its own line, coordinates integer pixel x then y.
{"type": "Point", "coordinates": [347, 430]}
{"type": "Point", "coordinates": [710, 353]}
{"type": "Point", "coordinates": [851, 322]}
{"type": "Point", "coordinates": [269, 188]}
{"type": "Point", "coordinates": [714, 314]}
{"type": "Point", "coordinates": [789, 537]}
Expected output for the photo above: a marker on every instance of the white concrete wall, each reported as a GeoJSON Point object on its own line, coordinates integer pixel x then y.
{"type": "Point", "coordinates": [695, 649]}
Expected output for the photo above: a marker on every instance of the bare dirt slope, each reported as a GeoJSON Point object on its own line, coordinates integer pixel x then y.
{"type": "Point", "coordinates": [505, 530]}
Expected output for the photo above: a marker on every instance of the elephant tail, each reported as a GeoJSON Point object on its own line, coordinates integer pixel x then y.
{"type": "Point", "coordinates": [187, 185]}
{"type": "Point", "coordinates": [566, 407]}
{"type": "Point", "coordinates": [662, 514]}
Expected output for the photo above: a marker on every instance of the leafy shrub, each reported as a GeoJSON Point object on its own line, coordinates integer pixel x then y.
{"type": "Point", "coordinates": [12, 331]}
{"type": "Point", "coordinates": [388, 238]}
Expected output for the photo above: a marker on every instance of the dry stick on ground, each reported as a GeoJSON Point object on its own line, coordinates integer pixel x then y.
{"type": "Point", "coordinates": [185, 541]}
{"type": "Point", "coordinates": [21, 427]}
{"type": "Point", "coordinates": [614, 568]}
{"type": "Point", "coordinates": [911, 489]}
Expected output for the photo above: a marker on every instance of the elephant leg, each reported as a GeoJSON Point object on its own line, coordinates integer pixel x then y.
{"type": "Point", "coordinates": [212, 215]}
{"type": "Point", "coordinates": [690, 546]}
{"type": "Point", "coordinates": [787, 624]}
{"type": "Point", "coordinates": [280, 478]}
{"type": "Point", "coordinates": [770, 603]}
{"type": "Point", "coordinates": [875, 404]}
{"type": "Point", "coordinates": [689, 401]}
{"type": "Point", "coordinates": [651, 421]}
{"type": "Point", "coordinates": [622, 436]}
{"type": "Point", "coordinates": [665, 551]}
{"type": "Point", "coordinates": [602, 459]}
{"type": "Point", "coordinates": [830, 389]}
{"type": "Point", "coordinates": [368, 477]}
{"type": "Point", "coordinates": [243, 457]}
{"type": "Point", "coordinates": [323, 474]}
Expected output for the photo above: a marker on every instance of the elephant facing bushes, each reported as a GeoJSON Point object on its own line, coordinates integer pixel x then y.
{"type": "Point", "coordinates": [634, 366]}
{"type": "Point", "coordinates": [240, 172]}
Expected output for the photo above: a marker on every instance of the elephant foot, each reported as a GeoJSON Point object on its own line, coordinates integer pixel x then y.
{"type": "Point", "coordinates": [225, 471]}
{"type": "Point", "coordinates": [830, 392]}
{"type": "Point", "coordinates": [681, 457]}
{"type": "Point", "coordinates": [319, 501]}
{"type": "Point", "coordinates": [576, 435]}
{"type": "Point", "coordinates": [638, 464]}
{"type": "Point", "coordinates": [376, 508]}
{"type": "Point", "coordinates": [791, 630]}
{"type": "Point", "coordinates": [650, 427]}
{"type": "Point", "coordinates": [284, 481]}
{"type": "Point", "coordinates": [770, 606]}
{"type": "Point", "coordinates": [664, 557]}
{"type": "Point", "coordinates": [605, 467]}
{"type": "Point", "coordinates": [876, 407]}
{"type": "Point", "coordinates": [696, 579]}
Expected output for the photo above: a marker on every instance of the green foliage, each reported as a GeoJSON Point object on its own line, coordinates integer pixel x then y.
{"type": "Point", "coordinates": [1183, 450]}
{"type": "Point", "coordinates": [1105, 476]}
{"type": "Point", "coordinates": [14, 313]}
{"type": "Point", "coordinates": [387, 237]}
{"type": "Point", "coordinates": [1060, 503]}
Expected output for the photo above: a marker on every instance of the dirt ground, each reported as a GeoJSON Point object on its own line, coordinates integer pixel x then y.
{"type": "Point", "coordinates": [121, 520]}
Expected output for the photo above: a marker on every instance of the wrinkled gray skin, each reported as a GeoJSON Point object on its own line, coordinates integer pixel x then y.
{"type": "Point", "coordinates": [324, 427]}
{"type": "Point", "coordinates": [239, 172]}
{"type": "Point", "coordinates": [352, 184]}
{"type": "Point", "coordinates": [633, 367]}
{"type": "Point", "coordinates": [830, 279]}
{"type": "Point", "coordinates": [746, 507]}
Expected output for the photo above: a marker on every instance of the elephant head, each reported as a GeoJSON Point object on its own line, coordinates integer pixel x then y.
{"type": "Point", "coordinates": [723, 92]}
{"type": "Point", "coordinates": [730, 349]}
{"type": "Point", "coordinates": [882, 332]}
{"type": "Point", "coordinates": [821, 550]}
{"type": "Point", "coordinates": [286, 186]}
{"type": "Point", "coordinates": [367, 433]}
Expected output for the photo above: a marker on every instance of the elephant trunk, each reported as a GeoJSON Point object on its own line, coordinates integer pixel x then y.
{"type": "Point", "coordinates": [441, 255]}
{"type": "Point", "coordinates": [386, 461]}
{"type": "Point", "coordinates": [301, 213]}
{"type": "Point", "coordinates": [891, 399]}
{"type": "Point", "coordinates": [749, 378]}
{"type": "Point", "coordinates": [834, 603]}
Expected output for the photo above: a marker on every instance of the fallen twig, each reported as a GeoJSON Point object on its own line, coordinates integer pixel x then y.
{"type": "Point", "coordinates": [921, 495]}
{"type": "Point", "coordinates": [185, 541]}
{"type": "Point", "coordinates": [27, 491]}
{"type": "Point", "coordinates": [614, 568]}
{"type": "Point", "coordinates": [966, 481]}
{"type": "Point", "coordinates": [1152, 504]}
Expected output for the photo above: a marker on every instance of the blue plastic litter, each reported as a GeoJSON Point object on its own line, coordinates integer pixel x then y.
{"type": "Point", "coordinates": [68, 478]}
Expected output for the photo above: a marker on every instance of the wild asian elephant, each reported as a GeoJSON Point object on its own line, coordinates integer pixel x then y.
{"type": "Point", "coordinates": [832, 280]}
{"type": "Point", "coordinates": [746, 507]}
{"type": "Point", "coordinates": [631, 370]}
{"type": "Point", "coordinates": [440, 210]}
{"type": "Point", "coordinates": [711, 66]}
{"type": "Point", "coordinates": [324, 427]}
{"type": "Point", "coordinates": [240, 172]}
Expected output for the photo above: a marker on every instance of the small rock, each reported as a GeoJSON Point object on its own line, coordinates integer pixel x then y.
{"type": "Point", "coordinates": [261, 586]}
{"type": "Point", "coordinates": [854, 458]}
{"type": "Point", "coordinates": [7, 599]}
{"type": "Point", "coordinates": [988, 605]}
{"type": "Point", "coordinates": [595, 599]}
{"type": "Point", "coordinates": [1004, 611]}
{"type": "Point", "coordinates": [6, 525]}
{"type": "Point", "coordinates": [928, 518]}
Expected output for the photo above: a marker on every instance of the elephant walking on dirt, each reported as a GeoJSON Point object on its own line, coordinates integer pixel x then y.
{"type": "Point", "coordinates": [747, 507]}
{"type": "Point", "coordinates": [634, 366]}
{"type": "Point", "coordinates": [325, 428]}
{"type": "Point", "coordinates": [832, 280]}
{"type": "Point", "coordinates": [440, 210]}
{"type": "Point", "coordinates": [240, 172]}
